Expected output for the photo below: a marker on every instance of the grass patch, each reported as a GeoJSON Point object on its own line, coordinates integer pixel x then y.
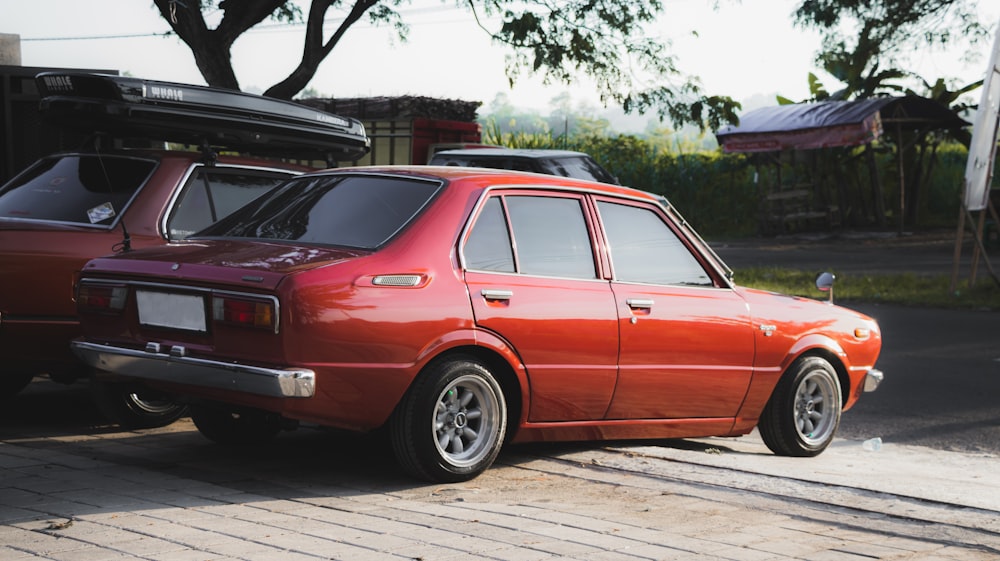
{"type": "Point", "coordinates": [907, 289]}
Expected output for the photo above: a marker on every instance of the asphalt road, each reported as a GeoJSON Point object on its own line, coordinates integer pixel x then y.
{"type": "Point", "coordinates": [942, 381]}
{"type": "Point", "coordinates": [931, 253]}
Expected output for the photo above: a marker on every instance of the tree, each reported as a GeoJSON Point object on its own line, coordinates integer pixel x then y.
{"type": "Point", "coordinates": [604, 40]}
{"type": "Point", "coordinates": [865, 43]}
{"type": "Point", "coordinates": [895, 25]}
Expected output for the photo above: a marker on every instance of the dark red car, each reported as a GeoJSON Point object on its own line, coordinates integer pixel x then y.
{"type": "Point", "coordinates": [70, 207]}
{"type": "Point", "coordinates": [462, 308]}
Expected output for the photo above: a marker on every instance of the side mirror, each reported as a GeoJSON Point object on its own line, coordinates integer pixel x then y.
{"type": "Point", "coordinates": [824, 282]}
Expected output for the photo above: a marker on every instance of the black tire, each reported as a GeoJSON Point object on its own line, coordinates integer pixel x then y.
{"type": "Point", "coordinates": [235, 427]}
{"type": "Point", "coordinates": [451, 424]}
{"type": "Point", "coordinates": [803, 413]}
{"type": "Point", "coordinates": [133, 406]}
{"type": "Point", "coordinates": [13, 381]}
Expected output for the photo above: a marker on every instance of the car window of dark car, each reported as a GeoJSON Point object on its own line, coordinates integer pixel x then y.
{"type": "Point", "coordinates": [579, 167]}
{"type": "Point", "coordinates": [79, 189]}
{"type": "Point", "coordinates": [513, 164]}
{"type": "Point", "coordinates": [211, 194]}
{"type": "Point", "coordinates": [644, 249]}
{"type": "Point", "coordinates": [522, 164]}
{"type": "Point", "coordinates": [550, 234]}
{"type": "Point", "coordinates": [352, 211]}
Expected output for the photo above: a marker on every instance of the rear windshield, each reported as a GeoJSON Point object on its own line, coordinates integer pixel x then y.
{"type": "Point", "coordinates": [350, 211]}
{"type": "Point", "coordinates": [77, 189]}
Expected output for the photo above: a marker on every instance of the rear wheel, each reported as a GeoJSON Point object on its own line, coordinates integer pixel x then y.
{"type": "Point", "coordinates": [804, 411]}
{"type": "Point", "coordinates": [133, 406]}
{"type": "Point", "coordinates": [239, 427]}
{"type": "Point", "coordinates": [450, 426]}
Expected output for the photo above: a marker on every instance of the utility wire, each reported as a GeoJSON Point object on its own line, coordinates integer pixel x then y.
{"type": "Point", "coordinates": [273, 27]}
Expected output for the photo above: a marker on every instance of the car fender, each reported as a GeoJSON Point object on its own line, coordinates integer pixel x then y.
{"type": "Point", "coordinates": [766, 378]}
{"type": "Point", "coordinates": [811, 342]}
{"type": "Point", "coordinates": [479, 340]}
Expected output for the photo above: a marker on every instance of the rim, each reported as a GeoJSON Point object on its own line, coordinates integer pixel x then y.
{"type": "Point", "coordinates": [466, 421]}
{"type": "Point", "coordinates": [815, 408]}
{"type": "Point", "coordinates": [151, 405]}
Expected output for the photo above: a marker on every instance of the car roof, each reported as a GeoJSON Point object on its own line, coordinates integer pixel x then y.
{"type": "Point", "coordinates": [511, 152]}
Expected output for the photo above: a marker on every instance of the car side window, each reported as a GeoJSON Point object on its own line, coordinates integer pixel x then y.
{"type": "Point", "coordinates": [644, 249]}
{"type": "Point", "coordinates": [65, 188]}
{"type": "Point", "coordinates": [551, 237]}
{"type": "Point", "coordinates": [488, 247]}
{"type": "Point", "coordinates": [213, 194]}
{"type": "Point", "coordinates": [550, 234]}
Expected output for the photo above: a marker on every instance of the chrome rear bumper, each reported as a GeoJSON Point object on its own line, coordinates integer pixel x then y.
{"type": "Point", "coordinates": [872, 379]}
{"type": "Point", "coordinates": [174, 367]}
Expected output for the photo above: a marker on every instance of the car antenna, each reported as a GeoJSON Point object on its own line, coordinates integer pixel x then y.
{"type": "Point", "coordinates": [209, 156]}
{"type": "Point", "coordinates": [125, 245]}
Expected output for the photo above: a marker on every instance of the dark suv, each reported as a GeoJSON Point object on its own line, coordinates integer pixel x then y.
{"type": "Point", "coordinates": [70, 207]}
{"type": "Point", "coordinates": [565, 163]}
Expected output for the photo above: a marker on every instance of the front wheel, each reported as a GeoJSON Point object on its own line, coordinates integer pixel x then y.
{"type": "Point", "coordinates": [135, 407]}
{"type": "Point", "coordinates": [804, 411]}
{"type": "Point", "coordinates": [450, 426]}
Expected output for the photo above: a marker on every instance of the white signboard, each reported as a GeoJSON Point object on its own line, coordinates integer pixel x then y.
{"type": "Point", "coordinates": [982, 150]}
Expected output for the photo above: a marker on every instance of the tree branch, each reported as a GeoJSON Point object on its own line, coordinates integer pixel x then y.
{"type": "Point", "coordinates": [314, 51]}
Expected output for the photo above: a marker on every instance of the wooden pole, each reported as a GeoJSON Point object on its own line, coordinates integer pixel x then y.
{"type": "Point", "coordinates": [959, 239]}
{"type": "Point", "coordinates": [978, 249]}
{"type": "Point", "coordinates": [986, 260]}
{"type": "Point", "coordinates": [902, 176]}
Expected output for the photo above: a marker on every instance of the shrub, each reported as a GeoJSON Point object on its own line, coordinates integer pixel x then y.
{"type": "Point", "coordinates": [721, 194]}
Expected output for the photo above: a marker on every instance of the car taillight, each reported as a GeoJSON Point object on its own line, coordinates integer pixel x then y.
{"type": "Point", "coordinates": [244, 312]}
{"type": "Point", "coordinates": [106, 298]}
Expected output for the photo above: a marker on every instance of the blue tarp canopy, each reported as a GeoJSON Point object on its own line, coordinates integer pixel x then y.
{"type": "Point", "coordinates": [805, 126]}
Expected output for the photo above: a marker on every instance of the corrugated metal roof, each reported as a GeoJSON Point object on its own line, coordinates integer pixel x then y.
{"type": "Point", "coordinates": [804, 126]}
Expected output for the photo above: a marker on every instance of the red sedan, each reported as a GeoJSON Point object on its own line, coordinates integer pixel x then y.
{"type": "Point", "coordinates": [463, 308]}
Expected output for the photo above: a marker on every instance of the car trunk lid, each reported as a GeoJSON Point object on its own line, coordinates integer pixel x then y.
{"type": "Point", "coordinates": [243, 263]}
{"type": "Point", "coordinates": [203, 298]}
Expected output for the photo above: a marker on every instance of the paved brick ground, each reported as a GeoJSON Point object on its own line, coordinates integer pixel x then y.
{"type": "Point", "coordinates": [93, 493]}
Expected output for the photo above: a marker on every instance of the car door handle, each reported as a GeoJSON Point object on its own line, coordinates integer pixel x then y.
{"type": "Point", "coordinates": [640, 303]}
{"type": "Point", "coordinates": [491, 294]}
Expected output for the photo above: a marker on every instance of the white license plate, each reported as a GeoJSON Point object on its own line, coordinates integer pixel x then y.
{"type": "Point", "coordinates": [176, 311]}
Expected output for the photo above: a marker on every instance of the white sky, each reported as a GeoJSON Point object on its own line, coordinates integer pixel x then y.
{"type": "Point", "coordinates": [743, 49]}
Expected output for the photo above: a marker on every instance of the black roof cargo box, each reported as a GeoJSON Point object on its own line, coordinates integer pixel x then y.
{"type": "Point", "coordinates": [127, 107]}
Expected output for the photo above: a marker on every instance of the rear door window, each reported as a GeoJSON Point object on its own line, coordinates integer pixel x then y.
{"type": "Point", "coordinates": [76, 189]}
{"type": "Point", "coordinates": [549, 232]}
